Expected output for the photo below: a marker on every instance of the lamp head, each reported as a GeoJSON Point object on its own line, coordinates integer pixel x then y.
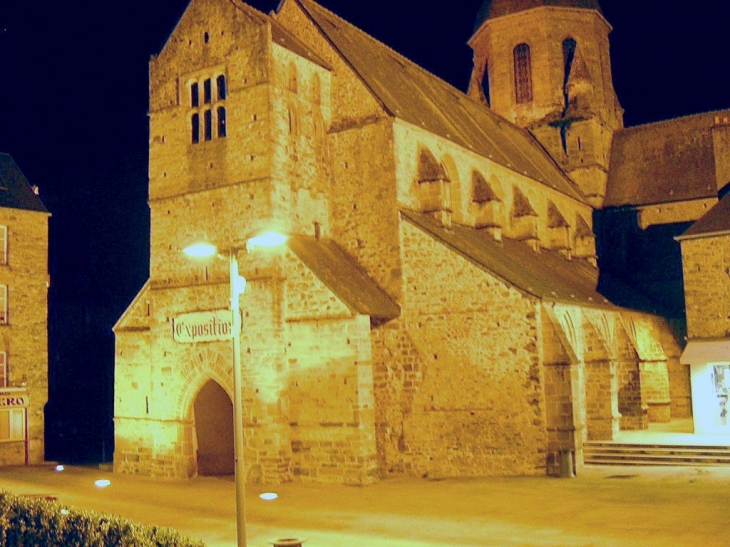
{"type": "Point", "coordinates": [200, 250]}
{"type": "Point", "coordinates": [266, 240]}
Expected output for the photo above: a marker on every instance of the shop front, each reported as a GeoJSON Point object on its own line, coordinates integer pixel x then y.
{"type": "Point", "coordinates": [710, 372]}
{"type": "Point", "coordinates": [14, 426]}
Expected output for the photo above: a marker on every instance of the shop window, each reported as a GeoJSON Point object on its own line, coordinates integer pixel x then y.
{"type": "Point", "coordinates": [3, 369]}
{"type": "Point", "coordinates": [3, 304]}
{"type": "Point", "coordinates": [12, 424]}
{"type": "Point", "coordinates": [523, 74]}
{"type": "Point", "coordinates": [3, 245]}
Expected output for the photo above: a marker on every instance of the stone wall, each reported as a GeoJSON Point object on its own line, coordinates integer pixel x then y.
{"type": "Point", "coordinates": [458, 380]}
{"type": "Point", "coordinates": [707, 291]}
{"type": "Point", "coordinates": [24, 338]}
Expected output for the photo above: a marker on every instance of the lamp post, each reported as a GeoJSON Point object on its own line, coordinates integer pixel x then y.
{"type": "Point", "coordinates": [237, 285]}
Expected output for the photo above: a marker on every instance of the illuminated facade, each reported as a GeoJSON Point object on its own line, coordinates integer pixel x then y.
{"type": "Point", "coordinates": [23, 318]}
{"type": "Point", "coordinates": [435, 311]}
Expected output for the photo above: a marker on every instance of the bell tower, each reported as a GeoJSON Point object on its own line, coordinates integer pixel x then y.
{"type": "Point", "coordinates": [545, 65]}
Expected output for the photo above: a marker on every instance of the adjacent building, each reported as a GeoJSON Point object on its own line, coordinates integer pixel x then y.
{"type": "Point", "coordinates": [23, 317]}
{"type": "Point", "coordinates": [438, 310]}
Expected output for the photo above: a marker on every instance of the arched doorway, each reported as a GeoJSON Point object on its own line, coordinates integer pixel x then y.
{"type": "Point", "coordinates": [213, 415]}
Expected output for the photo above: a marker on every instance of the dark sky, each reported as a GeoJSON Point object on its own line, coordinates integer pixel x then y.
{"type": "Point", "coordinates": [73, 90]}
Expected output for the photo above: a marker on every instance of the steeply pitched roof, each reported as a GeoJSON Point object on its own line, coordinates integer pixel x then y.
{"type": "Point", "coordinates": [414, 95]}
{"type": "Point", "coordinates": [663, 162]}
{"type": "Point", "coordinates": [344, 277]}
{"type": "Point", "coordinates": [545, 275]}
{"type": "Point", "coordinates": [497, 8]}
{"type": "Point", "coordinates": [715, 222]}
{"type": "Point", "coordinates": [15, 192]}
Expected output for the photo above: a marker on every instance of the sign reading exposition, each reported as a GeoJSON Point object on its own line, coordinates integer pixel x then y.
{"type": "Point", "coordinates": [207, 326]}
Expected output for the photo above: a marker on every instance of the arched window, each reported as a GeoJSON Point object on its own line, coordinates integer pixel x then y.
{"type": "Point", "coordinates": [208, 121]}
{"type": "Point", "coordinates": [207, 113]}
{"type": "Point", "coordinates": [221, 121]}
{"type": "Point", "coordinates": [195, 128]}
{"type": "Point", "coordinates": [523, 74]}
{"type": "Point", "coordinates": [194, 95]}
{"type": "Point", "coordinates": [221, 84]}
{"type": "Point", "coordinates": [207, 91]}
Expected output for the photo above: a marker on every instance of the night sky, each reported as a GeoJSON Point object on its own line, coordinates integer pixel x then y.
{"type": "Point", "coordinates": [74, 96]}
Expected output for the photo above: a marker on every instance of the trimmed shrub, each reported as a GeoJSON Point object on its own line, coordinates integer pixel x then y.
{"type": "Point", "coordinates": [29, 522]}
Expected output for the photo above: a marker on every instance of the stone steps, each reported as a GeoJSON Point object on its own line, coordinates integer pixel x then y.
{"type": "Point", "coordinates": [609, 453]}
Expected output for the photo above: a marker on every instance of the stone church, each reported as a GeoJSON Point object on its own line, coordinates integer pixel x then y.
{"type": "Point", "coordinates": [440, 308]}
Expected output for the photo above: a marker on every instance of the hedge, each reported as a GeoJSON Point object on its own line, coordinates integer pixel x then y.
{"type": "Point", "coordinates": [33, 522]}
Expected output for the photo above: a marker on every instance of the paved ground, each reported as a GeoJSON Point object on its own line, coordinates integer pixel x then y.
{"type": "Point", "coordinates": [605, 506]}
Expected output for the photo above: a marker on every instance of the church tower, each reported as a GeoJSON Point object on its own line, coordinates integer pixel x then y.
{"type": "Point", "coordinates": [545, 65]}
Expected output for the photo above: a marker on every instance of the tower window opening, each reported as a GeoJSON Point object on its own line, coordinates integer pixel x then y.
{"type": "Point", "coordinates": [523, 74]}
{"type": "Point", "coordinates": [208, 122]}
{"type": "Point", "coordinates": [485, 85]}
{"type": "Point", "coordinates": [207, 91]}
{"type": "Point", "coordinates": [221, 84]}
{"type": "Point", "coordinates": [195, 128]}
{"type": "Point", "coordinates": [194, 95]}
{"type": "Point", "coordinates": [569, 47]}
{"type": "Point", "coordinates": [221, 121]}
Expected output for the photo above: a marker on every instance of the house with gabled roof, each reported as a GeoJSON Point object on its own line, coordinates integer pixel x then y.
{"type": "Point", "coordinates": [23, 317]}
{"type": "Point", "coordinates": [437, 310]}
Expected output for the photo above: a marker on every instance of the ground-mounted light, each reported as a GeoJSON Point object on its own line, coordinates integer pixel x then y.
{"type": "Point", "coordinates": [64, 511]}
{"type": "Point", "coordinates": [102, 483]}
{"type": "Point", "coordinates": [60, 468]}
{"type": "Point", "coordinates": [269, 496]}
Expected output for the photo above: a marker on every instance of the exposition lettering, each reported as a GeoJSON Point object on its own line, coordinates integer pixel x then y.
{"type": "Point", "coordinates": [213, 328]}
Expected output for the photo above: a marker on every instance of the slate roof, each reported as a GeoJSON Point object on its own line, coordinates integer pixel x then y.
{"type": "Point", "coordinates": [497, 8]}
{"type": "Point", "coordinates": [15, 191]}
{"type": "Point", "coordinates": [545, 275]}
{"type": "Point", "coordinates": [344, 277]}
{"type": "Point", "coordinates": [663, 162]}
{"type": "Point", "coordinates": [414, 95]}
{"type": "Point", "coordinates": [715, 222]}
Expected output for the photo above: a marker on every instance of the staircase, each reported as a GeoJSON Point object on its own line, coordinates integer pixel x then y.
{"type": "Point", "coordinates": [612, 453]}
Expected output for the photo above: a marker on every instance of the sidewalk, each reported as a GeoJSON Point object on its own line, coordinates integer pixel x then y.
{"type": "Point", "coordinates": [604, 506]}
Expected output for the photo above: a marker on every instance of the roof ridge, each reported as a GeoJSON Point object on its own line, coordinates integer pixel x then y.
{"type": "Point", "coordinates": [649, 125]}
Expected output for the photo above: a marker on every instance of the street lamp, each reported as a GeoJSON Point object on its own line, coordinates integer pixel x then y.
{"type": "Point", "coordinates": [237, 284]}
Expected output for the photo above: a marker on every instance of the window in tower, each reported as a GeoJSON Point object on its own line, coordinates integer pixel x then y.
{"type": "Point", "coordinates": [3, 369]}
{"type": "Point", "coordinates": [221, 121]}
{"type": "Point", "coordinates": [485, 85]}
{"type": "Point", "coordinates": [208, 124]}
{"type": "Point", "coordinates": [293, 78]}
{"type": "Point", "coordinates": [208, 112]}
{"type": "Point", "coordinates": [221, 84]}
{"type": "Point", "coordinates": [194, 95]}
{"type": "Point", "coordinates": [523, 74]}
{"type": "Point", "coordinates": [207, 91]}
{"type": "Point", "coordinates": [3, 304]}
{"type": "Point", "coordinates": [569, 46]}
{"type": "Point", "coordinates": [3, 244]}
{"type": "Point", "coordinates": [195, 128]}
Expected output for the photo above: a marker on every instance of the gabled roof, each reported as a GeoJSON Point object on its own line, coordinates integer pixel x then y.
{"type": "Point", "coordinates": [663, 162]}
{"type": "Point", "coordinates": [715, 222]}
{"type": "Point", "coordinates": [15, 191]}
{"type": "Point", "coordinates": [344, 277]}
{"type": "Point", "coordinates": [416, 96]}
{"type": "Point", "coordinates": [545, 275]}
{"type": "Point", "coordinates": [497, 8]}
